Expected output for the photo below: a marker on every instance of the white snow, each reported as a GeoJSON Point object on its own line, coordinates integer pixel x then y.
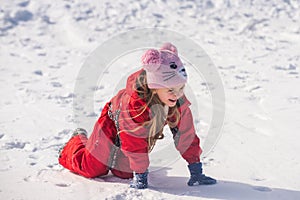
{"type": "Point", "coordinates": [254, 44]}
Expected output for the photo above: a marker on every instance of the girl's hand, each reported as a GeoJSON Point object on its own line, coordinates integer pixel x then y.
{"type": "Point", "coordinates": [140, 180]}
{"type": "Point", "coordinates": [197, 177]}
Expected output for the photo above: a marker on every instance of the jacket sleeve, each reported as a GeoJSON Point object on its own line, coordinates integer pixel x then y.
{"type": "Point", "coordinates": [136, 149]}
{"type": "Point", "coordinates": [133, 137]}
{"type": "Point", "coordinates": [185, 138]}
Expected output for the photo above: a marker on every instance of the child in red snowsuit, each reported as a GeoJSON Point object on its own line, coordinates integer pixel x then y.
{"type": "Point", "coordinates": [132, 121]}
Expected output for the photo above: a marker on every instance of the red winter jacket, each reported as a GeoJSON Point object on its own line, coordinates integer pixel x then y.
{"type": "Point", "coordinates": [127, 151]}
{"type": "Point", "coordinates": [134, 143]}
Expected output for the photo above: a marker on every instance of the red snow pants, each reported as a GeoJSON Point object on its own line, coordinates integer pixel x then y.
{"type": "Point", "coordinates": [92, 157]}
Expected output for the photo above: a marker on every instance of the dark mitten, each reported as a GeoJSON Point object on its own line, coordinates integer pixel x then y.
{"type": "Point", "coordinates": [140, 180]}
{"type": "Point", "coordinates": [197, 177]}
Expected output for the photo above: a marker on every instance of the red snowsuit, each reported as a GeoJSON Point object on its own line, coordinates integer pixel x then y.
{"type": "Point", "coordinates": [127, 151]}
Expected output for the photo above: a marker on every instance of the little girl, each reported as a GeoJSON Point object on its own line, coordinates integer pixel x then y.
{"type": "Point", "coordinates": [133, 120]}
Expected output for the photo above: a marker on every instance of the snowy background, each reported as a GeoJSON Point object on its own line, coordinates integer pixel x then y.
{"type": "Point", "coordinates": [254, 44]}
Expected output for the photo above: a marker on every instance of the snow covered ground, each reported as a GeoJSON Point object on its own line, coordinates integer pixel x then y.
{"type": "Point", "coordinates": [255, 46]}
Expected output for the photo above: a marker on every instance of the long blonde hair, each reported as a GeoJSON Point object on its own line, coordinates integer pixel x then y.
{"type": "Point", "coordinates": [159, 117]}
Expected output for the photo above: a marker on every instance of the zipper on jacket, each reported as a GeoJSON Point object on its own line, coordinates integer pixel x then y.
{"type": "Point", "coordinates": [117, 143]}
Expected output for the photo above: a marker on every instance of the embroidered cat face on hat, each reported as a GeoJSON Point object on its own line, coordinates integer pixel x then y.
{"type": "Point", "coordinates": [164, 68]}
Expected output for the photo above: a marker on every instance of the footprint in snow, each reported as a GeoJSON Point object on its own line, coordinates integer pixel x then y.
{"type": "Point", "coordinates": [285, 68]}
{"type": "Point", "coordinates": [262, 189]}
{"type": "Point", "coordinates": [15, 145]}
{"type": "Point", "coordinates": [56, 84]}
{"type": "Point", "coordinates": [38, 72]}
{"type": "Point", "coordinates": [62, 185]}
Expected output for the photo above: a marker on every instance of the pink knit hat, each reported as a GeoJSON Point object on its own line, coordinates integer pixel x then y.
{"type": "Point", "coordinates": [164, 68]}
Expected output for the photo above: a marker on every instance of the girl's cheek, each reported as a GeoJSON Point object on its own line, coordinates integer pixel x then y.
{"type": "Point", "coordinates": [171, 96]}
{"type": "Point", "coordinates": [168, 95]}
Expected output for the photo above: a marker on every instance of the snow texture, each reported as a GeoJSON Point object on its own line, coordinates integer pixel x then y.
{"type": "Point", "coordinates": [254, 44]}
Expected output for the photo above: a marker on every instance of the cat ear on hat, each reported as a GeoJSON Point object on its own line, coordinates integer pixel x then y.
{"type": "Point", "coordinates": [151, 60]}
{"type": "Point", "coordinates": [169, 47]}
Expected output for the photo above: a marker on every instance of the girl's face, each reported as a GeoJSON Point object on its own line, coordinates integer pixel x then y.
{"type": "Point", "coordinates": [169, 96]}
